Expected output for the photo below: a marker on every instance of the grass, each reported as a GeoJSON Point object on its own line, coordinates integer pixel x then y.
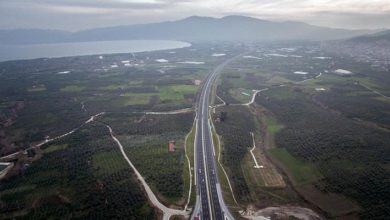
{"type": "Point", "coordinates": [273, 125]}
{"type": "Point", "coordinates": [241, 94]}
{"type": "Point", "coordinates": [281, 94]}
{"type": "Point", "coordinates": [277, 80]}
{"type": "Point", "coordinates": [200, 74]}
{"type": "Point", "coordinates": [162, 170]}
{"type": "Point", "coordinates": [299, 171]}
{"type": "Point", "coordinates": [176, 92]}
{"type": "Point", "coordinates": [72, 88]}
{"type": "Point", "coordinates": [107, 162]}
{"type": "Point", "coordinates": [324, 80]}
{"type": "Point", "coordinates": [367, 82]}
{"type": "Point", "coordinates": [186, 89]}
{"type": "Point", "coordinates": [190, 153]}
{"type": "Point", "coordinates": [54, 148]}
{"type": "Point", "coordinates": [168, 94]}
{"type": "Point", "coordinates": [114, 87]}
{"type": "Point", "coordinates": [111, 74]}
{"type": "Point", "coordinates": [136, 94]}
{"type": "Point", "coordinates": [237, 82]}
{"type": "Point", "coordinates": [135, 99]}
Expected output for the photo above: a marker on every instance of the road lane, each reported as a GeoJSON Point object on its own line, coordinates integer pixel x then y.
{"type": "Point", "coordinates": [209, 204]}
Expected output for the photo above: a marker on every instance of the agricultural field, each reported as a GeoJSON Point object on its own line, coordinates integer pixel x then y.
{"type": "Point", "coordinates": [146, 140]}
{"type": "Point", "coordinates": [54, 115]}
{"type": "Point", "coordinates": [291, 131]}
{"type": "Point", "coordinates": [326, 133]}
{"type": "Point", "coordinates": [258, 186]}
{"type": "Point", "coordinates": [78, 177]}
{"type": "Point", "coordinates": [301, 173]}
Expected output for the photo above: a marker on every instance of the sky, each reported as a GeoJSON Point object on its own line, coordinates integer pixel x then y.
{"type": "Point", "coordinates": [76, 15]}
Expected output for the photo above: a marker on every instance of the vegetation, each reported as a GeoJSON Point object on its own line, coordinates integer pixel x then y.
{"type": "Point", "coordinates": [82, 175]}
{"type": "Point", "coordinates": [313, 133]}
{"type": "Point", "coordinates": [236, 144]}
{"type": "Point", "coordinates": [187, 172]}
{"type": "Point", "coordinates": [301, 172]}
{"type": "Point", "coordinates": [87, 179]}
{"type": "Point", "coordinates": [330, 132]}
{"type": "Point", "coordinates": [177, 92]}
{"type": "Point", "coordinates": [53, 148]}
{"type": "Point", "coordinates": [273, 126]}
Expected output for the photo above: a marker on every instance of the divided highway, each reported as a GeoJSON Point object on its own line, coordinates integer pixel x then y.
{"type": "Point", "coordinates": [209, 200]}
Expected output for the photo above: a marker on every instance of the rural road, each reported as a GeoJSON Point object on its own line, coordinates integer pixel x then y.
{"type": "Point", "coordinates": [209, 200]}
{"type": "Point", "coordinates": [167, 212]}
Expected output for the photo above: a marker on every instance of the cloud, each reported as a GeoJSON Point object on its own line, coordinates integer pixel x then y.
{"type": "Point", "coordinates": [83, 14]}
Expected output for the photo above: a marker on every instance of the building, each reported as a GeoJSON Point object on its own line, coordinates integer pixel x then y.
{"type": "Point", "coordinates": [171, 146]}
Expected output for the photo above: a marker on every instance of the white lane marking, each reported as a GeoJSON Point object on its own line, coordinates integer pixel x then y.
{"type": "Point", "coordinates": [212, 139]}
{"type": "Point", "coordinates": [195, 144]}
{"type": "Point", "coordinates": [203, 97]}
{"type": "Point", "coordinates": [204, 155]}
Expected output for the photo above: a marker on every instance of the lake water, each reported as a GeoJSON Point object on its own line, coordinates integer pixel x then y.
{"type": "Point", "coordinates": [31, 51]}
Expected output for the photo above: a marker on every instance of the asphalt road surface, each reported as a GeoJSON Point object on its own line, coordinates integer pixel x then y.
{"type": "Point", "coordinates": [209, 200]}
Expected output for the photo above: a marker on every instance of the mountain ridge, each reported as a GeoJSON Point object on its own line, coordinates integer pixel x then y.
{"type": "Point", "coordinates": [370, 38]}
{"type": "Point", "coordinates": [193, 28]}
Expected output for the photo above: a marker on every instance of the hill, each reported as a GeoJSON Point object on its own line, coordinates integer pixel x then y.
{"type": "Point", "coordinates": [370, 38]}
{"type": "Point", "coordinates": [195, 28]}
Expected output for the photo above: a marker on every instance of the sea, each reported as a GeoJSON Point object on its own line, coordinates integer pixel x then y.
{"type": "Point", "coordinates": [53, 50]}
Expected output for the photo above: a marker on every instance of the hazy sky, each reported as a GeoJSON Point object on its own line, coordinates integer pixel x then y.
{"type": "Point", "coordinates": [84, 14]}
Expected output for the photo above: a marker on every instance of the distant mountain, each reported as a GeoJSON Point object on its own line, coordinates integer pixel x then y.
{"type": "Point", "coordinates": [371, 38]}
{"type": "Point", "coordinates": [369, 48]}
{"type": "Point", "coordinates": [195, 28]}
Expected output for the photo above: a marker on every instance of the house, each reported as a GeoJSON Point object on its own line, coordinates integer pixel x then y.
{"type": "Point", "coordinates": [171, 146]}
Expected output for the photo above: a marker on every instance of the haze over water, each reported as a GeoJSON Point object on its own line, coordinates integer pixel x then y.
{"type": "Point", "coordinates": [32, 51]}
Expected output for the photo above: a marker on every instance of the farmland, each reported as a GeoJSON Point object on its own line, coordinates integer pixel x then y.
{"type": "Point", "coordinates": [59, 184]}
{"type": "Point", "coordinates": [66, 163]}
{"type": "Point", "coordinates": [327, 133]}
{"type": "Point", "coordinates": [301, 173]}
{"type": "Point", "coordinates": [311, 138]}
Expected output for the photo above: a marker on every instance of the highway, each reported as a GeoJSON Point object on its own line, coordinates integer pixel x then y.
{"type": "Point", "coordinates": [209, 199]}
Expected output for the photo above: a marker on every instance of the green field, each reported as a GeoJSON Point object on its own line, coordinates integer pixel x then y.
{"type": "Point", "coordinates": [162, 170]}
{"type": "Point", "coordinates": [189, 150]}
{"type": "Point", "coordinates": [135, 99]}
{"type": "Point", "coordinates": [72, 88]}
{"type": "Point", "coordinates": [300, 171]}
{"type": "Point", "coordinates": [273, 125]}
{"type": "Point", "coordinates": [114, 87]}
{"type": "Point", "coordinates": [277, 79]}
{"type": "Point", "coordinates": [176, 92]}
{"type": "Point", "coordinates": [325, 80]}
{"type": "Point", "coordinates": [54, 148]}
{"type": "Point", "coordinates": [241, 94]}
{"type": "Point", "coordinates": [107, 162]}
